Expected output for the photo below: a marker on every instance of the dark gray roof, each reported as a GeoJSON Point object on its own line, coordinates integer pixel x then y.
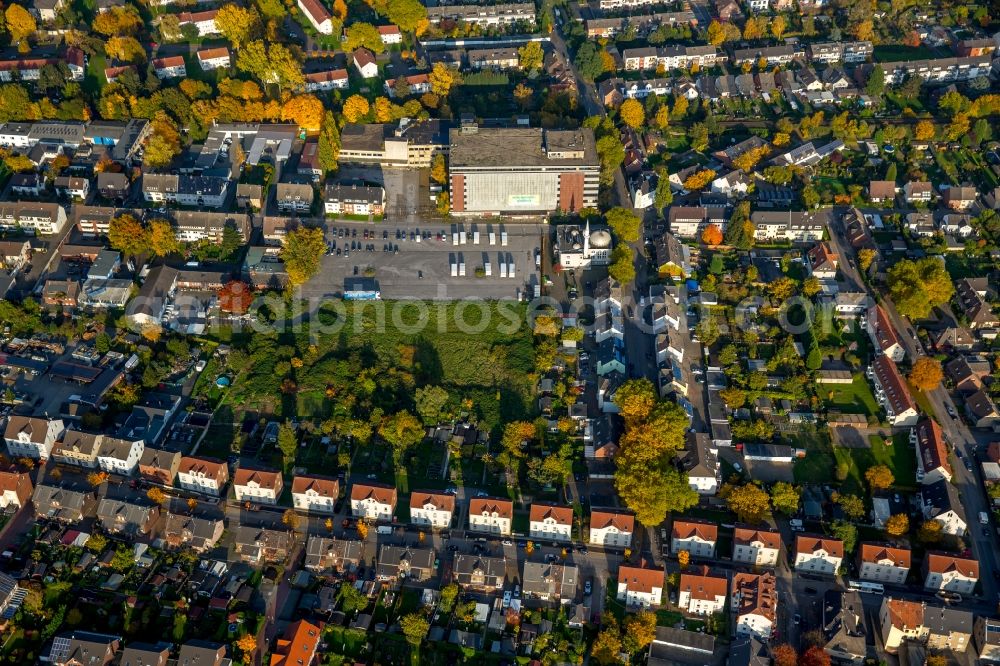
{"type": "Point", "coordinates": [60, 501]}
{"type": "Point", "coordinates": [129, 516]}
{"type": "Point", "coordinates": [941, 497]}
{"type": "Point", "coordinates": [944, 620]}
{"type": "Point", "coordinates": [146, 654]}
{"type": "Point", "coordinates": [202, 653]}
{"type": "Point", "coordinates": [843, 624]}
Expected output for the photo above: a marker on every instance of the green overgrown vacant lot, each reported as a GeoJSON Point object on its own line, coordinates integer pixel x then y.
{"type": "Point", "coordinates": [897, 456]}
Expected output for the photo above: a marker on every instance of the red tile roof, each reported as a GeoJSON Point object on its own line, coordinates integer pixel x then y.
{"type": "Point", "coordinates": [884, 332]}
{"type": "Point", "coordinates": [808, 543]}
{"type": "Point", "coordinates": [757, 594]}
{"type": "Point", "coordinates": [327, 75]}
{"type": "Point", "coordinates": [704, 530]}
{"type": "Point", "coordinates": [821, 254]}
{"type": "Point", "coordinates": [930, 446]}
{"type": "Point", "coordinates": [905, 614]}
{"type": "Point", "coordinates": [298, 646]}
{"type": "Point", "coordinates": [490, 505]}
{"type": "Point", "coordinates": [892, 382]}
{"type": "Point", "coordinates": [623, 522]}
{"type": "Point", "coordinates": [874, 553]}
{"type": "Point", "coordinates": [380, 493]}
{"type": "Point", "coordinates": [212, 54]}
{"type": "Point", "coordinates": [703, 585]}
{"type": "Point", "coordinates": [265, 478]}
{"type": "Point", "coordinates": [316, 11]}
{"type": "Point", "coordinates": [363, 56]}
{"type": "Point", "coordinates": [388, 30]}
{"type": "Point", "coordinates": [640, 579]}
{"type": "Point", "coordinates": [942, 563]}
{"type": "Point", "coordinates": [745, 536]}
{"type": "Point", "coordinates": [169, 61]}
{"type": "Point", "coordinates": [441, 501]}
{"type": "Point", "coordinates": [210, 467]}
{"type": "Point", "coordinates": [321, 485]}
{"type": "Point", "coordinates": [563, 515]}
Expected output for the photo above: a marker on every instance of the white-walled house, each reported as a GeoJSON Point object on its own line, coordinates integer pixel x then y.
{"type": "Point", "coordinates": [639, 587]}
{"type": "Point", "coordinates": [932, 453]}
{"type": "Point", "coordinates": [203, 475]}
{"type": "Point", "coordinates": [315, 494]}
{"type": "Point", "coordinates": [119, 456]}
{"type": "Point", "coordinates": [697, 537]}
{"type": "Point", "coordinates": [432, 509]}
{"type": "Point", "coordinates": [257, 486]}
{"type": "Point", "coordinates": [941, 503]}
{"type": "Point", "coordinates": [950, 573]}
{"type": "Point", "coordinates": [818, 554]}
{"type": "Point", "coordinates": [755, 602]}
{"type": "Point", "coordinates": [883, 563]}
{"type": "Point", "coordinates": [318, 15]}
{"type": "Point", "coordinates": [551, 522]}
{"type": "Point", "coordinates": [702, 593]}
{"type": "Point", "coordinates": [31, 437]}
{"type": "Point", "coordinates": [491, 515]}
{"type": "Point", "coordinates": [756, 546]}
{"type": "Point", "coordinates": [373, 501]}
{"type": "Point", "coordinates": [611, 528]}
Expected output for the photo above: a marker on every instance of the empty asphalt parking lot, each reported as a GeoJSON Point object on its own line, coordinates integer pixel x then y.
{"type": "Point", "coordinates": [406, 268]}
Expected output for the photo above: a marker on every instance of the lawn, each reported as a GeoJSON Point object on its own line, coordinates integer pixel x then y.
{"type": "Point", "coordinates": [901, 52]}
{"type": "Point", "coordinates": [819, 465]}
{"type": "Point", "coordinates": [897, 456]}
{"type": "Point", "coordinates": [854, 398]}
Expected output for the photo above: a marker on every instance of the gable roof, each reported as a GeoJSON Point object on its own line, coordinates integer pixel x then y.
{"type": "Point", "coordinates": [822, 257]}
{"type": "Point", "coordinates": [905, 614]}
{"type": "Point", "coordinates": [757, 593]}
{"type": "Point", "coordinates": [563, 515]}
{"type": "Point", "coordinates": [942, 563]}
{"type": "Point", "coordinates": [490, 505]}
{"type": "Point", "coordinates": [382, 494]}
{"type": "Point", "coordinates": [441, 501]}
{"type": "Point", "coordinates": [873, 553]}
{"type": "Point", "coordinates": [745, 535]}
{"type": "Point", "coordinates": [640, 579]}
{"type": "Point", "coordinates": [941, 497]}
{"type": "Point", "coordinates": [885, 334]}
{"type": "Point", "coordinates": [703, 585]}
{"type": "Point", "coordinates": [262, 477]}
{"type": "Point", "coordinates": [811, 543]}
{"type": "Point", "coordinates": [298, 646]}
{"type": "Point", "coordinates": [892, 382]}
{"type": "Point", "coordinates": [321, 485]}
{"type": "Point", "coordinates": [210, 467]}
{"type": "Point", "coordinates": [602, 519]}
{"type": "Point", "coordinates": [931, 447]}
{"type": "Point", "coordinates": [881, 189]}
{"type": "Point", "coordinates": [703, 529]}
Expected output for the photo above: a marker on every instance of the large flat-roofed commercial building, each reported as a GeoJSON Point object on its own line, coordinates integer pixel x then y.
{"type": "Point", "coordinates": [522, 170]}
{"type": "Point", "coordinates": [409, 144]}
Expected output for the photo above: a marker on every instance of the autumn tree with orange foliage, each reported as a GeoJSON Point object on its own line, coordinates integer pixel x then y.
{"type": "Point", "coordinates": [304, 110]}
{"type": "Point", "coordinates": [235, 297]}
{"type": "Point", "coordinates": [785, 655]}
{"type": "Point", "coordinates": [926, 374]}
{"type": "Point", "coordinates": [699, 180]}
{"type": "Point", "coordinates": [712, 235]}
{"type": "Point", "coordinates": [247, 645]}
{"type": "Point", "coordinates": [814, 656]}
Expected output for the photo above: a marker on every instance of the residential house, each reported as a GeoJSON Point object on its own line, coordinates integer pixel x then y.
{"type": "Point", "coordinates": [551, 522]}
{"type": "Point", "coordinates": [881, 191]}
{"type": "Point", "coordinates": [967, 373]}
{"type": "Point", "coordinates": [687, 221]}
{"type": "Point", "coordinates": [932, 454]}
{"type": "Point", "coordinates": [396, 563]}
{"type": "Point", "coordinates": [948, 628]}
{"type": "Point", "coordinates": [892, 392]}
{"type": "Point", "coordinates": [697, 537]}
{"type": "Point", "coordinates": [818, 554]}
{"type": "Point", "coordinates": [171, 67]}
{"type": "Point", "coordinates": [353, 199]}
{"type": "Point", "coordinates": [491, 515]}
{"type": "Point", "coordinates": [612, 528]}
{"type": "Point", "coordinates": [672, 257]}
{"type": "Point", "coordinates": [329, 556]}
{"type": "Point", "coordinates": [938, 626]}
{"type": "Point", "coordinates": [755, 546]}
{"type": "Point", "coordinates": [884, 563]}
{"type": "Point", "coordinates": [298, 645]}
{"type": "Point", "coordinates": [416, 84]}
{"type": "Point", "coordinates": [432, 509]}
{"type": "Point", "coordinates": [823, 261]}
{"type": "Point", "coordinates": [373, 501]}
{"type": "Point", "coordinates": [31, 437]}
{"type": "Point", "coordinates": [981, 409]}
{"type": "Point", "coordinates": [548, 581]}
{"type": "Point", "coordinates": [680, 646]}
{"type": "Point", "coordinates": [390, 34]}
{"type": "Point", "coordinates": [203, 475]}
{"type": "Point", "coordinates": [701, 463]}
{"type": "Point", "coordinates": [318, 15]}
{"type": "Point", "coordinates": [327, 79]}
{"type": "Point", "coordinates": [883, 335]}
{"type": "Point", "coordinates": [917, 191]}
{"type": "Point", "coordinates": [31, 217]}
{"type": "Point", "coordinates": [15, 490]}
{"type": "Point", "coordinates": [987, 637]}
{"type": "Point", "coordinates": [479, 574]}
{"type": "Point", "coordinates": [119, 456]}
{"type": "Point", "coordinates": [844, 627]}
{"type": "Point", "coordinates": [129, 518]}
{"type": "Point", "coordinates": [639, 587]}
{"type": "Point", "coordinates": [204, 21]}
{"type": "Point", "coordinates": [973, 304]}
{"type": "Point", "coordinates": [159, 466]}
{"type": "Point", "coordinates": [213, 58]}
{"type": "Point", "coordinates": [257, 486]}
{"type": "Point", "coordinates": [702, 593]}
{"type": "Point", "coordinates": [259, 545]}
{"type": "Point", "coordinates": [754, 601]}
{"type": "Point", "coordinates": [46, 10]}
{"type": "Point", "coordinates": [83, 648]}
{"type": "Point", "coordinates": [950, 573]}
{"type": "Point", "coordinates": [315, 494]}
{"type": "Point", "coordinates": [294, 197]}
{"type": "Point", "coordinates": [111, 185]}
{"type": "Point", "coordinates": [364, 62]}
{"type": "Point", "coordinates": [14, 254]}
{"type": "Point", "coordinates": [146, 654]}
{"type": "Point", "coordinates": [960, 198]}
{"type": "Point", "coordinates": [61, 294]}
{"type": "Point", "coordinates": [77, 448]}
{"type": "Point", "coordinates": [202, 653]}
{"type": "Point", "coordinates": [940, 502]}
{"type": "Point", "coordinates": [199, 534]}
